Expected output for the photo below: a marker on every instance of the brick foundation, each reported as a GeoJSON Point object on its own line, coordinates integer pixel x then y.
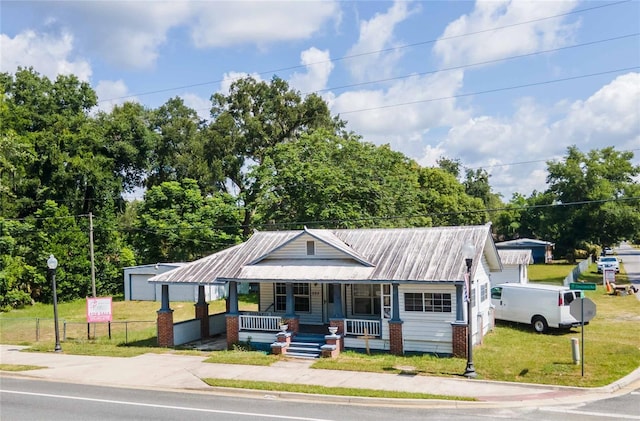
{"type": "Point", "coordinates": [233, 330]}
{"type": "Point", "coordinates": [165, 328]}
{"type": "Point", "coordinates": [459, 340]}
{"type": "Point", "coordinates": [395, 338]}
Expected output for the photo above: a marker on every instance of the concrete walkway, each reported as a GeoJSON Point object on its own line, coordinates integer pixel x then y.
{"type": "Point", "coordinates": [179, 372]}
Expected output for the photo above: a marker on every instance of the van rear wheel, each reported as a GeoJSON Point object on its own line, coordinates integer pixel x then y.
{"type": "Point", "coordinates": [539, 324]}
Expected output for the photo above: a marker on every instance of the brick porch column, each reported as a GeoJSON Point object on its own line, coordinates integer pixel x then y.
{"type": "Point", "coordinates": [233, 330]}
{"type": "Point", "coordinates": [165, 328]}
{"type": "Point", "coordinates": [164, 321]}
{"type": "Point", "coordinates": [202, 312]}
{"type": "Point", "coordinates": [395, 338]}
{"type": "Point", "coordinates": [294, 324]}
{"type": "Point", "coordinates": [459, 339]}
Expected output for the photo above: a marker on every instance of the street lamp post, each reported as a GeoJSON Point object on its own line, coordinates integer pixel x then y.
{"type": "Point", "coordinates": [468, 252]}
{"type": "Point", "coordinates": [52, 264]}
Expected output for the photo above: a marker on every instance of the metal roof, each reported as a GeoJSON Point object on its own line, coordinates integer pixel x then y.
{"type": "Point", "coordinates": [373, 255]}
{"type": "Point", "coordinates": [524, 242]}
{"type": "Point", "coordinates": [516, 257]}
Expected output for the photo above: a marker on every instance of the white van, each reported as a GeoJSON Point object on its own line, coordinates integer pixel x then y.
{"type": "Point", "coordinates": [540, 305]}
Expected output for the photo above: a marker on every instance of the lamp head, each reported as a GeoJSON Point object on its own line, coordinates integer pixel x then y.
{"type": "Point", "coordinates": [468, 250]}
{"type": "Point", "coordinates": [52, 262]}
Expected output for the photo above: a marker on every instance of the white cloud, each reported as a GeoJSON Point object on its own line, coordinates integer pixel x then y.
{"type": "Point", "coordinates": [318, 65]}
{"type": "Point", "coordinates": [49, 54]}
{"type": "Point", "coordinates": [201, 105]}
{"type": "Point", "coordinates": [111, 93]}
{"type": "Point", "coordinates": [376, 35]}
{"type": "Point", "coordinates": [610, 117]}
{"type": "Point", "coordinates": [515, 149]}
{"type": "Point", "coordinates": [125, 33]}
{"type": "Point", "coordinates": [403, 112]}
{"type": "Point", "coordinates": [516, 37]}
{"type": "Point", "coordinates": [223, 24]}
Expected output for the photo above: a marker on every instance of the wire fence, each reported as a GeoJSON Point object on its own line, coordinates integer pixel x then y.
{"type": "Point", "coordinates": [27, 330]}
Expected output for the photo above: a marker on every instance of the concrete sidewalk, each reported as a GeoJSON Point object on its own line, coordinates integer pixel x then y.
{"type": "Point", "coordinates": [179, 372]}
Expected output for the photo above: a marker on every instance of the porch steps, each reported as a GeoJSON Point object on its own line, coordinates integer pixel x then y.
{"type": "Point", "coordinates": [306, 346]}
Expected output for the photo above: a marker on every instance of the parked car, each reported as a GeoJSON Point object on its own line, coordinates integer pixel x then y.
{"type": "Point", "coordinates": [608, 263]}
{"type": "Point", "coordinates": [540, 305]}
{"type": "Point", "coordinates": [608, 251]}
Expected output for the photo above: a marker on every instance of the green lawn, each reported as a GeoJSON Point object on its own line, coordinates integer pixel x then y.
{"type": "Point", "coordinates": [133, 330]}
{"type": "Point", "coordinates": [509, 353]}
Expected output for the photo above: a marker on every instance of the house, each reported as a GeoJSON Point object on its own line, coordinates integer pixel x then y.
{"type": "Point", "coordinates": [137, 287]}
{"type": "Point", "coordinates": [542, 251]}
{"type": "Point", "coordinates": [398, 290]}
{"type": "Point", "coordinates": [515, 267]}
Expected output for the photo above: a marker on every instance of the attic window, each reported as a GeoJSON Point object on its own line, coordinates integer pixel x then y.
{"type": "Point", "coordinates": [311, 248]}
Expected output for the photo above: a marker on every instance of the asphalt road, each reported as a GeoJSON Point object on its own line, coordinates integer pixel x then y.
{"type": "Point", "coordinates": [28, 399]}
{"type": "Point", "coordinates": [631, 260]}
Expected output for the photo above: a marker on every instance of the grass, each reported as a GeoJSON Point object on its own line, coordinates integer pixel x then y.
{"type": "Point", "coordinates": [242, 357]}
{"type": "Point", "coordinates": [133, 329]}
{"type": "Point", "coordinates": [323, 390]}
{"type": "Point", "coordinates": [19, 367]}
{"type": "Point", "coordinates": [510, 352]}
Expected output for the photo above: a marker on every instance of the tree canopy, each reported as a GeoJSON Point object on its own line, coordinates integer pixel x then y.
{"type": "Point", "coordinates": [269, 158]}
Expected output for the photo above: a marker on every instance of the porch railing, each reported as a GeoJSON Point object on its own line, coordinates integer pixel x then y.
{"type": "Point", "coordinates": [360, 327]}
{"type": "Point", "coordinates": [256, 321]}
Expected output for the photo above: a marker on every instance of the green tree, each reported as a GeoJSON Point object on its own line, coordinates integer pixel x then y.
{"type": "Point", "coordinates": [247, 123]}
{"type": "Point", "coordinates": [323, 179]}
{"type": "Point", "coordinates": [176, 223]}
{"type": "Point", "coordinates": [176, 153]}
{"type": "Point", "coordinates": [597, 197]}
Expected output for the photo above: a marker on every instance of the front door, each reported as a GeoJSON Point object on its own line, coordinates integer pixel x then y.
{"type": "Point", "coordinates": [328, 301]}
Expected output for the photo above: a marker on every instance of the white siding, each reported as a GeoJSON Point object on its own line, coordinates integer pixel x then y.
{"type": "Point", "coordinates": [267, 299]}
{"type": "Point", "coordinates": [374, 344]}
{"type": "Point", "coordinates": [424, 331]}
{"type": "Point", "coordinates": [297, 249]}
{"type": "Point", "coordinates": [257, 337]}
{"type": "Point", "coordinates": [483, 322]}
{"type": "Point", "coordinates": [509, 274]}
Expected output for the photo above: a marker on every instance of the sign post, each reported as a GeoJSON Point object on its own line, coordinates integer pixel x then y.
{"type": "Point", "coordinates": [99, 310]}
{"type": "Point", "coordinates": [583, 310]}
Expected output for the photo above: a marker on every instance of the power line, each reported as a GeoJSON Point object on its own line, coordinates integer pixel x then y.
{"type": "Point", "coordinates": [299, 66]}
{"type": "Point", "coordinates": [480, 63]}
{"type": "Point", "coordinates": [489, 91]}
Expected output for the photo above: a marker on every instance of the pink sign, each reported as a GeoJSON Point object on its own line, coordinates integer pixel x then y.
{"type": "Point", "coordinates": [98, 310]}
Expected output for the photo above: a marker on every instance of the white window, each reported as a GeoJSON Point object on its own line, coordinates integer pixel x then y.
{"type": "Point", "coordinates": [427, 302]}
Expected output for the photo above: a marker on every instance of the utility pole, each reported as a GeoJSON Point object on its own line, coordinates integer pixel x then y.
{"type": "Point", "coordinates": [93, 267]}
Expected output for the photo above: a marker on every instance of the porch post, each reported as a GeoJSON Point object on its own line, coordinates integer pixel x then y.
{"type": "Point", "coordinates": [290, 310]}
{"type": "Point", "coordinates": [337, 302]}
{"type": "Point", "coordinates": [396, 346]}
{"type": "Point", "coordinates": [202, 312]}
{"type": "Point", "coordinates": [164, 321]}
{"type": "Point", "coordinates": [233, 297]}
{"type": "Point", "coordinates": [459, 304]}
{"type": "Point", "coordinates": [233, 316]}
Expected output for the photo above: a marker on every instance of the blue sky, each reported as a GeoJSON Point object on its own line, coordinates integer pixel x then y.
{"type": "Point", "coordinates": [502, 85]}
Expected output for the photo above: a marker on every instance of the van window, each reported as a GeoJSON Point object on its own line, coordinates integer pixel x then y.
{"type": "Point", "coordinates": [496, 293]}
{"type": "Point", "coordinates": [568, 298]}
